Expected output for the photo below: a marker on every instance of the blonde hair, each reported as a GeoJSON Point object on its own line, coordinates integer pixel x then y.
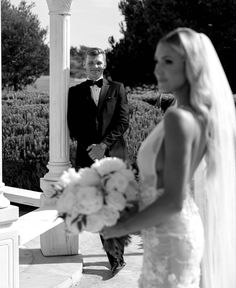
{"type": "Point", "coordinates": [188, 44]}
{"type": "Point", "coordinates": [212, 100]}
{"type": "Point", "coordinates": [95, 51]}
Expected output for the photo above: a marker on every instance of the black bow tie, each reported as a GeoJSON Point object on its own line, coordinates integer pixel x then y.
{"type": "Point", "coordinates": [98, 82]}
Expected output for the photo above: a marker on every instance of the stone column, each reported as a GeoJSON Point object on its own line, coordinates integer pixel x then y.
{"type": "Point", "coordinates": [55, 241]}
{"type": "Point", "coordinates": [4, 202]}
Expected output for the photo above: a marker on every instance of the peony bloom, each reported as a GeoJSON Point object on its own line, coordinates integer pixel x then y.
{"type": "Point", "coordinates": [128, 174]}
{"type": "Point", "coordinates": [131, 193]}
{"type": "Point", "coordinates": [65, 202]}
{"type": "Point", "coordinates": [116, 182]}
{"type": "Point", "coordinates": [94, 223]}
{"type": "Point", "coordinates": [89, 177]}
{"type": "Point", "coordinates": [108, 165]}
{"type": "Point", "coordinates": [95, 197]}
{"type": "Point", "coordinates": [89, 200]}
{"type": "Point", "coordinates": [116, 200]}
{"type": "Point", "coordinates": [148, 196]}
{"type": "Point", "coordinates": [68, 177]}
{"type": "Point", "coordinates": [109, 215]}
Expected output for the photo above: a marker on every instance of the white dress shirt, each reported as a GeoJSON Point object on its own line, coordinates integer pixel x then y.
{"type": "Point", "coordinates": [95, 92]}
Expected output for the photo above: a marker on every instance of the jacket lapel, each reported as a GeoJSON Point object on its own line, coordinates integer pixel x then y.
{"type": "Point", "coordinates": [103, 94]}
{"type": "Point", "coordinates": [88, 96]}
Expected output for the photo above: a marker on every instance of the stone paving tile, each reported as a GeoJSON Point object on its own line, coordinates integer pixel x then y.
{"type": "Point", "coordinates": [38, 271]}
{"type": "Point", "coordinates": [96, 271]}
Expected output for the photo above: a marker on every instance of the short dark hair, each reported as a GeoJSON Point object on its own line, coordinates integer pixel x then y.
{"type": "Point", "coordinates": [95, 51]}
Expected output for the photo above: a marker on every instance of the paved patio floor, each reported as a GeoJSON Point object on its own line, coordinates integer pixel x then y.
{"type": "Point", "coordinates": [96, 271]}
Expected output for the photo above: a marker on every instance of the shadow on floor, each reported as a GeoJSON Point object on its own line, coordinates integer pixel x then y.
{"type": "Point", "coordinates": [35, 256]}
{"type": "Point", "coordinates": [105, 274]}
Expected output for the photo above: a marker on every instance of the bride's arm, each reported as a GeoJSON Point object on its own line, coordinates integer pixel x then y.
{"type": "Point", "coordinates": [178, 147]}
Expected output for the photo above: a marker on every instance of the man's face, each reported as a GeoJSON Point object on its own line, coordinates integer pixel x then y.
{"type": "Point", "coordinates": [95, 66]}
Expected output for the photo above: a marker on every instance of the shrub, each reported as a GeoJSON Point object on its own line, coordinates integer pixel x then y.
{"type": "Point", "coordinates": [143, 118]}
{"type": "Point", "coordinates": [145, 93]}
{"type": "Point", "coordinates": [25, 139]}
{"type": "Point", "coordinates": [25, 128]}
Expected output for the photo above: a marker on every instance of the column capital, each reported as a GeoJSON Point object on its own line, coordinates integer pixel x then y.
{"type": "Point", "coordinates": [59, 7]}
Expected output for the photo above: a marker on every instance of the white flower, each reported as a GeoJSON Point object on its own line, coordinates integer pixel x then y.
{"type": "Point", "coordinates": [173, 280]}
{"type": "Point", "coordinates": [131, 193]}
{"type": "Point", "coordinates": [65, 202]}
{"type": "Point", "coordinates": [116, 182]}
{"type": "Point", "coordinates": [68, 177]}
{"type": "Point", "coordinates": [108, 165]}
{"type": "Point", "coordinates": [148, 196]}
{"type": "Point", "coordinates": [109, 215]}
{"type": "Point", "coordinates": [94, 223]}
{"type": "Point", "coordinates": [88, 177]}
{"type": "Point", "coordinates": [76, 210]}
{"type": "Point", "coordinates": [89, 200]}
{"type": "Point", "coordinates": [116, 200]}
{"type": "Point", "coordinates": [128, 174]}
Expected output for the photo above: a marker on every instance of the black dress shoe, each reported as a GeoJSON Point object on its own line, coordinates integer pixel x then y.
{"type": "Point", "coordinates": [117, 267]}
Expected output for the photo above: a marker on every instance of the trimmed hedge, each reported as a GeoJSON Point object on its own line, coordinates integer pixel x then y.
{"type": "Point", "coordinates": [25, 129]}
{"type": "Point", "coordinates": [143, 118]}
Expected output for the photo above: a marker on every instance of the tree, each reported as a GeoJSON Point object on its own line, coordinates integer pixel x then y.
{"type": "Point", "coordinates": [25, 56]}
{"type": "Point", "coordinates": [77, 58]}
{"type": "Point", "coordinates": [127, 60]}
{"type": "Point", "coordinates": [215, 18]}
{"type": "Point", "coordinates": [145, 21]}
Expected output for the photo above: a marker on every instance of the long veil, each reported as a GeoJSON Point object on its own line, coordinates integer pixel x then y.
{"type": "Point", "coordinates": [216, 195]}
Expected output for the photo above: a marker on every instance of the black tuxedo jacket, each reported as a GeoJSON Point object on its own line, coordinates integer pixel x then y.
{"type": "Point", "coordinates": [92, 124]}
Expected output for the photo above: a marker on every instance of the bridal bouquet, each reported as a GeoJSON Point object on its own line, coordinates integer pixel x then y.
{"type": "Point", "coordinates": [95, 197]}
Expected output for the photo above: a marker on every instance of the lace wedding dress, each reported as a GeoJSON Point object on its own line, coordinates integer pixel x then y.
{"type": "Point", "coordinates": [173, 251]}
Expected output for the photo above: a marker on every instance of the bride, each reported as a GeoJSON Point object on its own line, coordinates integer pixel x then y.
{"type": "Point", "coordinates": [187, 168]}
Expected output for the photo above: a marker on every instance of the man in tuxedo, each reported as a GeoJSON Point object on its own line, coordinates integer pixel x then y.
{"type": "Point", "coordinates": [98, 116]}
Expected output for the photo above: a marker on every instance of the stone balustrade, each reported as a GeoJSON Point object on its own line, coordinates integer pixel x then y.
{"type": "Point", "coordinates": [9, 250]}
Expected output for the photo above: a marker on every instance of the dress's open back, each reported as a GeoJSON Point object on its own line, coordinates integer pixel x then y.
{"type": "Point", "coordinates": [173, 250]}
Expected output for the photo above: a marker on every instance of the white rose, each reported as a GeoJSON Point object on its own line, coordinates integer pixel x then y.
{"type": "Point", "coordinates": [128, 174]}
{"type": "Point", "coordinates": [76, 210]}
{"type": "Point", "coordinates": [131, 193]}
{"type": "Point", "coordinates": [116, 182]}
{"type": "Point", "coordinates": [108, 165]}
{"type": "Point", "coordinates": [72, 188]}
{"type": "Point", "coordinates": [68, 177]}
{"type": "Point", "coordinates": [148, 196]}
{"type": "Point", "coordinates": [94, 223]}
{"type": "Point", "coordinates": [116, 200]}
{"type": "Point", "coordinates": [89, 177]}
{"type": "Point", "coordinates": [109, 215]}
{"type": "Point", "coordinates": [89, 199]}
{"type": "Point", "coordinates": [65, 202]}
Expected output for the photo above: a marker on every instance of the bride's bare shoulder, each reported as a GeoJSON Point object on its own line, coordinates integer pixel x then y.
{"type": "Point", "coordinates": [180, 120]}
